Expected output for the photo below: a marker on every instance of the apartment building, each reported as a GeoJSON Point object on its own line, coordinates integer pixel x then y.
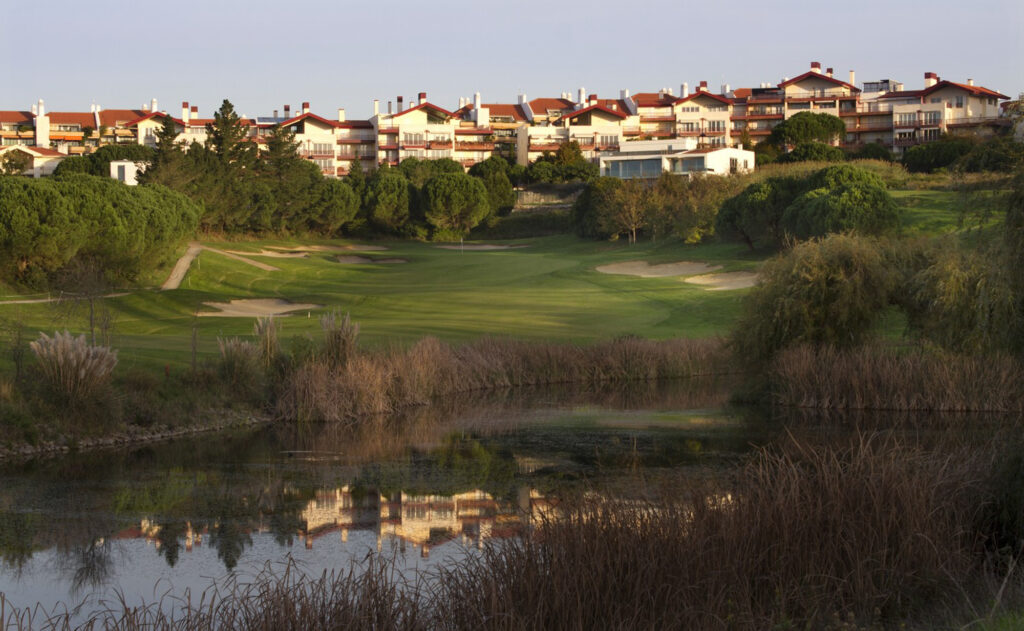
{"type": "Point", "coordinates": [882, 112]}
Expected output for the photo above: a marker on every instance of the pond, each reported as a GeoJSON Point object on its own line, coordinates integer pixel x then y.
{"type": "Point", "coordinates": [422, 489]}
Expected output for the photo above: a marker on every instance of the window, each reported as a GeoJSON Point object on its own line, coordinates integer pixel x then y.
{"type": "Point", "coordinates": [932, 118]}
{"type": "Point", "coordinates": [734, 165]}
{"type": "Point", "coordinates": [323, 149]}
{"type": "Point", "coordinates": [120, 173]}
{"type": "Point", "coordinates": [609, 140]}
{"type": "Point", "coordinates": [689, 108]}
{"type": "Point", "coordinates": [325, 165]}
{"type": "Point", "coordinates": [932, 134]}
{"type": "Point", "coordinates": [716, 125]}
{"type": "Point", "coordinates": [959, 102]}
{"type": "Point", "coordinates": [412, 139]}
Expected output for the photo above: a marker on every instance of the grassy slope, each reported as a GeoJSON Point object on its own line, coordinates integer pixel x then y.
{"type": "Point", "coordinates": [547, 291]}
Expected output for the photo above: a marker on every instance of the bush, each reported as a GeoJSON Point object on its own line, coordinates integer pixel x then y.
{"type": "Point", "coordinates": [824, 291]}
{"type": "Point", "coordinates": [842, 198]}
{"type": "Point", "coordinates": [999, 153]}
{"type": "Point", "coordinates": [74, 369]}
{"type": "Point", "coordinates": [940, 154]}
{"type": "Point", "coordinates": [524, 225]}
{"type": "Point", "coordinates": [873, 151]}
{"type": "Point", "coordinates": [813, 152]}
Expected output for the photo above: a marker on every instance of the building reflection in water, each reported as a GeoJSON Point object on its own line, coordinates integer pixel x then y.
{"type": "Point", "coordinates": [423, 521]}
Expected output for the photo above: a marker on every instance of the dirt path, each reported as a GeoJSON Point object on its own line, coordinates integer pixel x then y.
{"type": "Point", "coordinates": [185, 262]}
{"type": "Point", "coordinates": [181, 267]}
{"type": "Point", "coordinates": [39, 301]}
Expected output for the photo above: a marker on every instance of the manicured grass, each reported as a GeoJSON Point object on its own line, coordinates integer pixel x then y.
{"type": "Point", "coordinates": [546, 291]}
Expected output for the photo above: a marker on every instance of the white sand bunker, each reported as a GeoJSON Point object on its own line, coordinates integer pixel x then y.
{"type": "Point", "coordinates": [644, 269]}
{"type": "Point", "coordinates": [275, 254]}
{"type": "Point", "coordinates": [480, 247]}
{"type": "Point", "coordinates": [255, 308]}
{"type": "Point", "coordinates": [724, 281]}
{"type": "Point", "coordinates": [361, 260]}
{"type": "Point", "coordinates": [331, 248]}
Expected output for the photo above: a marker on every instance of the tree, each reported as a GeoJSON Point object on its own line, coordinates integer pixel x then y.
{"type": "Point", "coordinates": [225, 136]}
{"type": "Point", "coordinates": [755, 215]}
{"type": "Point", "coordinates": [387, 201]}
{"type": "Point", "coordinates": [873, 151]}
{"type": "Point", "coordinates": [15, 162]}
{"type": "Point", "coordinates": [455, 203]}
{"type": "Point", "coordinates": [745, 141]}
{"type": "Point", "coordinates": [808, 127]}
{"type": "Point", "coordinates": [335, 205]}
{"type": "Point", "coordinates": [168, 164]}
{"type": "Point", "coordinates": [824, 291]}
{"type": "Point", "coordinates": [813, 152]}
{"type": "Point", "coordinates": [940, 154]}
{"type": "Point", "coordinates": [629, 212]}
{"type": "Point", "coordinates": [594, 202]}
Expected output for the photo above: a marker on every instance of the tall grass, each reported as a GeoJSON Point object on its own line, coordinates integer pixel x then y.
{"type": "Point", "coordinates": [884, 378]}
{"type": "Point", "coordinates": [872, 531]}
{"type": "Point", "coordinates": [73, 368]}
{"type": "Point", "coordinates": [387, 381]}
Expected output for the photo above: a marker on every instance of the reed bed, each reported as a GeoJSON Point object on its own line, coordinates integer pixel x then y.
{"type": "Point", "coordinates": [882, 378]}
{"type": "Point", "coordinates": [869, 532]}
{"type": "Point", "coordinates": [384, 382]}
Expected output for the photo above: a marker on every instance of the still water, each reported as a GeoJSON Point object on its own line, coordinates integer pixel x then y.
{"type": "Point", "coordinates": [423, 489]}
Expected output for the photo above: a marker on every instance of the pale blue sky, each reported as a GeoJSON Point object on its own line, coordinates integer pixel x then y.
{"type": "Point", "coordinates": [264, 54]}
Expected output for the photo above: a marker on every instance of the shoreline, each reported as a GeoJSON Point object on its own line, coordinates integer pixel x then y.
{"type": "Point", "coordinates": [133, 436]}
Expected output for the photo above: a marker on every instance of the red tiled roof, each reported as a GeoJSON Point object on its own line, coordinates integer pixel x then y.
{"type": "Point", "coordinates": [818, 75]}
{"type": "Point", "coordinates": [43, 152]}
{"type": "Point", "coordinates": [321, 119]}
{"type": "Point", "coordinates": [355, 124]}
{"type": "Point", "coordinates": [653, 99]}
{"type": "Point", "coordinates": [592, 108]}
{"type": "Point", "coordinates": [976, 90]}
{"type": "Point", "coordinates": [424, 106]}
{"type": "Point", "coordinates": [16, 117]}
{"type": "Point", "coordinates": [146, 117]}
{"type": "Point", "coordinates": [543, 104]}
{"type": "Point", "coordinates": [506, 109]}
{"type": "Point", "coordinates": [109, 118]}
{"type": "Point", "coordinates": [620, 105]}
{"type": "Point", "coordinates": [741, 93]}
{"type": "Point", "coordinates": [902, 94]}
{"type": "Point", "coordinates": [85, 119]}
{"type": "Point", "coordinates": [698, 94]}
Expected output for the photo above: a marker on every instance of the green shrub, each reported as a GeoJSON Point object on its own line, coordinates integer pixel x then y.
{"type": "Point", "coordinates": [940, 154]}
{"type": "Point", "coordinates": [823, 291]}
{"type": "Point", "coordinates": [843, 198]}
{"type": "Point", "coordinates": [813, 152]}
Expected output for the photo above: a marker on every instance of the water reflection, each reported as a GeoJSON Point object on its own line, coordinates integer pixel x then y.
{"type": "Point", "coordinates": [456, 474]}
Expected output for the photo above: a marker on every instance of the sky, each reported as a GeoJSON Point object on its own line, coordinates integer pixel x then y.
{"type": "Point", "coordinates": [262, 54]}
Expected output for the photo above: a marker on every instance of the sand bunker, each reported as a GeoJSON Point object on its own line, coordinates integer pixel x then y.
{"type": "Point", "coordinates": [276, 254]}
{"type": "Point", "coordinates": [255, 308]}
{"type": "Point", "coordinates": [480, 247]}
{"type": "Point", "coordinates": [362, 260]}
{"type": "Point", "coordinates": [644, 269]}
{"type": "Point", "coordinates": [331, 248]}
{"type": "Point", "coordinates": [724, 281]}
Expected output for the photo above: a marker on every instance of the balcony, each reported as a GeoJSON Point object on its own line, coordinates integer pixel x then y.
{"type": "Point", "coordinates": [813, 95]}
{"type": "Point", "coordinates": [355, 141]}
{"type": "Point", "coordinates": [354, 156]}
{"type": "Point", "coordinates": [630, 131]}
{"type": "Point", "coordinates": [667, 118]}
{"type": "Point", "coordinates": [905, 124]}
{"type": "Point", "coordinates": [765, 98]}
{"type": "Point", "coordinates": [689, 133]}
{"type": "Point", "coordinates": [760, 115]}
{"type": "Point", "coordinates": [439, 144]}
{"type": "Point", "coordinates": [603, 147]}
{"type": "Point", "coordinates": [906, 142]}
{"type": "Point", "coordinates": [714, 132]}
{"type": "Point", "coordinates": [387, 130]}
{"type": "Point", "coordinates": [312, 155]}
{"type": "Point", "coordinates": [474, 146]}
{"type": "Point", "coordinates": [545, 146]}
{"type": "Point", "coordinates": [391, 146]}
{"type": "Point", "coordinates": [879, 126]}
{"type": "Point", "coordinates": [979, 120]}
{"type": "Point", "coordinates": [414, 145]}
{"type": "Point", "coordinates": [660, 133]}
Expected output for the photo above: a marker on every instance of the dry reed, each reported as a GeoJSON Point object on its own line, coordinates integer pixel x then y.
{"type": "Point", "coordinates": [873, 531]}
{"type": "Point", "coordinates": [73, 368]}
{"type": "Point", "coordinates": [385, 382]}
{"type": "Point", "coordinates": [883, 378]}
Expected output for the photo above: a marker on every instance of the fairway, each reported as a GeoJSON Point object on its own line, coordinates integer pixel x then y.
{"type": "Point", "coordinates": [546, 290]}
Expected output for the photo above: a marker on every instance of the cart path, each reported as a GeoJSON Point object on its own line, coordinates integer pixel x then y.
{"type": "Point", "coordinates": [194, 248]}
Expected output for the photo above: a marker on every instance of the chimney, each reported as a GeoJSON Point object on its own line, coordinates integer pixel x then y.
{"type": "Point", "coordinates": [341, 114]}
{"type": "Point", "coordinates": [305, 107]}
{"type": "Point", "coordinates": [853, 76]}
{"type": "Point", "coordinates": [669, 91]}
{"type": "Point", "coordinates": [195, 112]}
{"type": "Point", "coordinates": [476, 100]}
{"type": "Point", "coordinates": [275, 115]}
{"type": "Point", "coordinates": [703, 86]}
{"type": "Point", "coordinates": [522, 99]}
{"type": "Point", "coordinates": [42, 108]}
{"type": "Point", "coordinates": [152, 105]}
{"type": "Point", "coordinates": [725, 89]}
{"type": "Point", "coordinates": [389, 108]}
{"type": "Point", "coordinates": [423, 97]}
{"type": "Point", "coordinates": [970, 82]}
{"type": "Point", "coordinates": [582, 95]}
{"type": "Point", "coordinates": [816, 67]}
{"type": "Point", "coordinates": [828, 72]}
{"type": "Point", "coordinates": [376, 107]}
{"type": "Point", "coordinates": [184, 111]}
{"type": "Point", "coordinates": [145, 107]}
{"type": "Point", "coordinates": [399, 102]}
{"type": "Point", "coordinates": [287, 112]}
{"type": "Point", "coordinates": [684, 90]}
{"type": "Point", "coordinates": [930, 79]}
{"type": "Point", "coordinates": [35, 109]}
